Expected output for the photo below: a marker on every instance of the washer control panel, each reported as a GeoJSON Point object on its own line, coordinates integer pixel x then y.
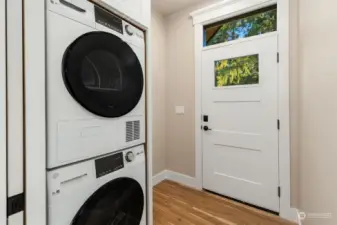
{"type": "Point", "coordinates": [109, 164]}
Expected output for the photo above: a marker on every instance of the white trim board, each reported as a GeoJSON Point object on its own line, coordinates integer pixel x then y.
{"type": "Point", "coordinates": [16, 219]}
{"type": "Point", "coordinates": [15, 145]}
{"type": "Point", "coordinates": [159, 177]}
{"type": "Point", "coordinates": [35, 112]}
{"type": "Point", "coordinates": [176, 177]}
{"type": "Point", "coordinates": [227, 9]}
{"type": "Point", "coordinates": [149, 130]}
{"type": "Point", "coordinates": [3, 115]}
{"type": "Point", "coordinates": [14, 98]}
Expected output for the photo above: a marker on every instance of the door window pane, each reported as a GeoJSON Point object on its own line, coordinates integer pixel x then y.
{"type": "Point", "coordinates": [237, 71]}
{"type": "Point", "coordinates": [246, 25]}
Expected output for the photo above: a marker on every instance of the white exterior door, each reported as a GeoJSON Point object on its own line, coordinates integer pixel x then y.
{"type": "Point", "coordinates": [3, 111]}
{"type": "Point", "coordinates": [240, 139]}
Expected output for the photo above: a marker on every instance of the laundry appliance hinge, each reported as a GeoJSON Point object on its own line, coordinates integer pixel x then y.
{"type": "Point", "coordinates": [278, 124]}
{"type": "Point", "coordinates": [15, 204]}
{"type": "Point", "coordinates": [279, 191]}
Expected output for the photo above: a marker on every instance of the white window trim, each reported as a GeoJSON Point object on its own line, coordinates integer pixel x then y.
{"type": "Point", "coordinates": [227, 9]}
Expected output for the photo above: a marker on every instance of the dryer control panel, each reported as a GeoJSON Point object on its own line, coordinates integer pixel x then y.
{"type": "Point", "coordinates": [108, 20]}
{"type": "Point", "coordinates": [109, 164]}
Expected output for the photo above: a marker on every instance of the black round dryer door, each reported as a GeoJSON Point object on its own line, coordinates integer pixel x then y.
{"type": "Point", "coordinates": [120, 202]}
{"type": "Point", "coordinates": [103, 74]}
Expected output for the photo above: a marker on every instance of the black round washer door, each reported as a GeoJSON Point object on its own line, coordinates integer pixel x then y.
{"type": "Point", "coordinates": [119, 202]}
{"type": "Point", "coordinates": [103, 74]}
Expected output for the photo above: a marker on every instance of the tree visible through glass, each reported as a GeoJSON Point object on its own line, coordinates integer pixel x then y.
{"type": "Point", "coordinates": [237, 71]}
{"type": "Point", "coordinates": [254, 23]}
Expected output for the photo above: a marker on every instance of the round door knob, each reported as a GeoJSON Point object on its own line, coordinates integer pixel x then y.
{"type": "Point", "coordinates": [129, 30]}
{"type": "Point", "coordinates": [206, 128]}
{"type": "Point", "coordinates": [129, 157]}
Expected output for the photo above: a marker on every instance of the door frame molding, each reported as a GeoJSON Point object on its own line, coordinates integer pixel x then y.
{"type": "Point", "coordinates": [227, 9]}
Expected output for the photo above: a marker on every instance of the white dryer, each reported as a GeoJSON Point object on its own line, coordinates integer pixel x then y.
{"type": "Point", "coordinates": [95, 82]}
{"type": "Point", "coordinates": [102, 191]}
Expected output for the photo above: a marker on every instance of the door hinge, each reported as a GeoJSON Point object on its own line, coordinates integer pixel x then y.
{"type": "Point", "coordinates": [278, 57]}
{"type": "Point", "coordinates": [15, 204]}
{"type": "Point", "coordinates": [279, 191]}
{"type": "Point", "coordinates": [278, 124]}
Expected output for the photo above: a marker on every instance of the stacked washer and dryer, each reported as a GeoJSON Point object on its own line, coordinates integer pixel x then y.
{"type": "Point", "coordinates": [95, 117]}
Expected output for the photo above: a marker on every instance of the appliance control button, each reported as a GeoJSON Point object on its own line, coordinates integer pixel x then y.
{"type": "Point", "coordinates": [129, 30]}
{"type": "Point", "coordinates": [129, 157]}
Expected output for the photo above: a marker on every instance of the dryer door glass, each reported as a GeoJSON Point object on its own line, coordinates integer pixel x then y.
{"type": "Point", "coordinates": [103, 74]}
{"type": "Point", "coordinates": [120, 202]}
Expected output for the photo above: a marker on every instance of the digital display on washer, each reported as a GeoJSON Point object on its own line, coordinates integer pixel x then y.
{"type": "Point", "coordinates": [109, 164]}
{"type": "Point", "coordinates": [108, 20]}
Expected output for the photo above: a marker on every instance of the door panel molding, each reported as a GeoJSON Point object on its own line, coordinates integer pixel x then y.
{"type": "Point", "coordinates": [224, 10]}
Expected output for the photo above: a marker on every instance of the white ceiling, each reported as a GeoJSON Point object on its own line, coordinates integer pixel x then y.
{"type": "Point", "coordinates": [167, 7]}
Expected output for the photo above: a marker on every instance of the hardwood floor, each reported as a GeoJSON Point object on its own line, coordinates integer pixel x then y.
{"type": "Point", "coordinates": [175, 204]}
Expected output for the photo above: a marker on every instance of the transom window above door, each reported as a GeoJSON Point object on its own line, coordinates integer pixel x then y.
{"type": "Point", "coordinates": [246, 25]}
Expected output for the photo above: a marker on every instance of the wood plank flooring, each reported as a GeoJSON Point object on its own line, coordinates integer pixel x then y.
{"type": "Point", "coordinates": [175, 204]}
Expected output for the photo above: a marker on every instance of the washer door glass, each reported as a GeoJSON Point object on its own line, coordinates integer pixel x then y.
{"type": "Point", "coordinates": [120, 202]}
{"type": "Point", "coordinates": [103, 74]}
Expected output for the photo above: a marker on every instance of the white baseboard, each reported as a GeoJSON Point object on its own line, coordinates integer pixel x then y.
{"type": "Point", "coordinates": [292, 215]}
{"type": "Point", "coordinates": [182, 179]}
{"type": "Point", "coordinates": [159, 177]}
{"type": "Point", "coordinates": [176, 177]}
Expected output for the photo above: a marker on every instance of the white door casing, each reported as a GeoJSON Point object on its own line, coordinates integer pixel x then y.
{"type": "Point", "coordinates": [3, 112]}
{"type": "Point", "coordinates": [240, 152]}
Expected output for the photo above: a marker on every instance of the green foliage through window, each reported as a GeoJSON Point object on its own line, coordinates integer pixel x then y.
{"type": "Point", "coordinates": [237, 71]}
{"type": "Point", "coordinates": [251, 24]}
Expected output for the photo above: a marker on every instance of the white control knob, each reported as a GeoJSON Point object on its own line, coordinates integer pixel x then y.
{"type": "Point", "coordinates": [129, 157]}
{"type": "Point", "coordinates": [129, 30]}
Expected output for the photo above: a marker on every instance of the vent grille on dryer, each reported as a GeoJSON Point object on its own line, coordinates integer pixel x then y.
{"type": "Point", "coordinates": [132, 131]}
{"type": "Point", "coordinates": [136, 134]}
{"type": "Point", "coordinates": [129, 131]}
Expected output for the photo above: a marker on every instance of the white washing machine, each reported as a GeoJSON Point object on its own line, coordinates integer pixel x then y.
{"type": "Point", "coordinates": [106, 190]}
{"type": "Point", "coordinates": [95, 82]}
